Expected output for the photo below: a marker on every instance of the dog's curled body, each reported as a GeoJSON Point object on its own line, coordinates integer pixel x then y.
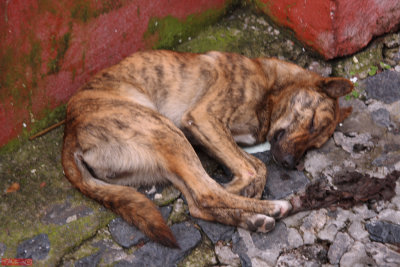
{"type": "Point", "coordinates": [130, 126]}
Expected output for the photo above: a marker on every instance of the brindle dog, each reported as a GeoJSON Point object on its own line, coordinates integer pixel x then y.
{"type": "Point", "coordinates": [131, 123]}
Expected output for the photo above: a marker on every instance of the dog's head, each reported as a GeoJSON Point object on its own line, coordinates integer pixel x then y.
{"type": "Point", "coordinates": [304, 116]}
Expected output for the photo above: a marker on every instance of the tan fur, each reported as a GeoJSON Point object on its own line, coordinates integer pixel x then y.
{"type": "Point", "coordinates": [130, 126]}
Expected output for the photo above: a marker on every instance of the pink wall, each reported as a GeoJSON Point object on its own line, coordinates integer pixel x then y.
{"type": "Point", "coordinates": [48, 49]}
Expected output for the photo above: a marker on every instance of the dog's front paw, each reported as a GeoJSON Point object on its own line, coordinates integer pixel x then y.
{"type": "Point", "coordinates": [282, 209]}
{"type": "Point", "coordinates": [259, 223]}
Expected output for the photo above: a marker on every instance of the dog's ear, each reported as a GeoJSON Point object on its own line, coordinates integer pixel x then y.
{"type": "Point", "coordinates": [335, 87]}
{"type": "Point", "coordinates": [344, 113]}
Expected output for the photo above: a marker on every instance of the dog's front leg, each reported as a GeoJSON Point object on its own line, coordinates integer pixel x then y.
{"type": "Point", "coordinates": [249, 172]}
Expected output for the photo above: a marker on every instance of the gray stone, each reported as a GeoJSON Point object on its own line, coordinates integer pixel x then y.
{"type": "Point", "coordinates": [384, 232]}
{"type": "Point", "coordinates": [124, 234]}
{"type": "Point", "coordinates": [339, 247]}
{"type": "Point", "coordinates": [110, 252]}
{"type": "Point", "coordinates": [360, 120]}
{"type": "Point", "coordinates": [381, 117]}
{"type": "Point", "coordinates": [316, 162]}
{"type": "Point", "coordinates": [3, 248]}
{"type": "Point", "coordinates": [354, 143]}
{"type": "Point", "coordinates": [392, 40]}
{"type": "Point", "coordinates": [392, 55]}
{"type": "Point", "coordinates": [321, 68]}
{"type": "Point", "coordinates": [61, 214]}
{"type": "Point", "coordinates": [250, 255]}
{"type": "Point", "coordinates": [88, 261]}
{"type": "Point", "coordinates": [363, 212]}
{"type": "Point", "coordinates": [296, 220]}
{"type": "Point", "coordinates": [390, 215]}
{"type": "Point", "coordinates": [154, 254]}
{"type": "Point", "coordinates": [308, 255]}
{"type": "Point", "coordinates": [386, 159]}
{"type": "Point", "coordinates": [36, 248]}
{"type": "Point", "coordinates": [294, 238]}
{"type": "Point", "coordinates": [357, 231]}
{"type": "Point", "coordinates": [277, 238]}
{"type": "Point", "coordinates": [356, 257]}
{"type": "Point", "coordinates": [216, 231]}
{"type": "Point", "coordinates": [382, 255]}
{"type": "Point", "coordinates": [329, 232]}
{"type": "Point", "coordinates": [384, 86]}
{"type": "Point", "coordinates": [312, 224]}
{"type": "Point", "coordinates": [280, 181]}
{"type": "Point", "coordinates": [226, 256]}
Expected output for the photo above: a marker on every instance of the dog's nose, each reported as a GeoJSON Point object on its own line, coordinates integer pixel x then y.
{"type": "Point", "coordinates": [288, 161]}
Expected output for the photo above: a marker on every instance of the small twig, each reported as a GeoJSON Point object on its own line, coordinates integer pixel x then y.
{"type": "Point", "coordinates": [47, 130]}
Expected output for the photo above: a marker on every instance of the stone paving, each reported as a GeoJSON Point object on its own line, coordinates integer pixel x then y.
{"type": "Point", "coordinates": [49, 221]}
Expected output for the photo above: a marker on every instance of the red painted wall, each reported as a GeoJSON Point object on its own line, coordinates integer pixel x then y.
{"type": "Point", "coordinates": [50, 48]}
{"type": "Point", "coordinates": [334, 27]}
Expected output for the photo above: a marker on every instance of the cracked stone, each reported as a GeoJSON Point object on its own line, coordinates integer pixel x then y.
{"type": "Point", "coordinates": [124, 234]}
{"type": "Point", "coordinates": [390, 215]}
{"type": "Point", "coordinates": [294, 238]}
{"type": "Point", "coordinates": [357, 231]}
{"type": "Point", "coordinates": [339, 247]}
{"type": "Point", "coordinates": [315, 162]}
{"type": "Point", "coordinates": [381, 117]}
{"type": "Point", "coordinates": [250, 255]}
{"type": "Point", "coordinates": [154, 254]}
{"type": "Point", "coordinates": [92, 260]}
{"type": "Point", "coordinates": [226, 256]}
{"type": "Point", "coordinates": [36, 248]}
{"type": "Point", "coordinates": [356, 257]}
{"type": "Point", "coordinates": [61, 214]}
{"type": "Point", "coordinates": [382, 255]}
{"type": "Point", "coordinates": [384, 232]}
{"type": "Point", "coordinates": [329, 232]}
{"type": "Point", "coordinates": [321, 68]}
{"type": "Point", "coordinates": [296, 219]}
{"type": "Point", "coordinates": [384, 86]}
{"type": "Point", "coordinates": [308, 255]}
{"type": "Point", "coordinates": [277, 238]}
{"type": "Point", "coordinates": [354, 143]}
{"type": "Point", "coordinates": [216, 231]}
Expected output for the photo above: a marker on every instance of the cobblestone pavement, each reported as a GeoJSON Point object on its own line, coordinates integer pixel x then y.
{"type": "Point", "coordinates": [49, 221]}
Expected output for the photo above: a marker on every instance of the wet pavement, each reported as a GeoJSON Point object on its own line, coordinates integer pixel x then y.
{"type": "Point", "coordinates": [52, 223]}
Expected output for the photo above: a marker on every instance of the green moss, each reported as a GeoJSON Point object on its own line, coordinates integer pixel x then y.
{"type": "Point", "coordinates": [21, 212]}
{"type": "Point", "coordinates": [84, 10]}
{"type": "Point", "coordinates": [202, 255]}
{"type": "Point", "coordinates": [50, 117]}
{"type": "Point", "coordinates": [35, 61]}
{"type": "Point", "coordinates": [361, 64]}
{"type": "Point", "coordinates": [61, 45]}
{"type": "Point", "coordinates": [215, 38]}
{"type": "Point", "coordinates": [170, 31]}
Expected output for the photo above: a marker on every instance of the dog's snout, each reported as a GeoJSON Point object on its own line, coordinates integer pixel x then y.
{"type": "Point", "coordinates": [288, 161]}
{"type": "Point", "coordinates": [279, 134]}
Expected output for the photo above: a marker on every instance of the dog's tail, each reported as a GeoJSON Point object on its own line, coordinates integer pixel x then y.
{"type": "Point", "coordinates": [133, 206]}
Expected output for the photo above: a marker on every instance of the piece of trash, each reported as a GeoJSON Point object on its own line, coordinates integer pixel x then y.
{"type": "Point", "coordinates": [13, 188]}
{"type": "Point", "coordinates": [42, 184]}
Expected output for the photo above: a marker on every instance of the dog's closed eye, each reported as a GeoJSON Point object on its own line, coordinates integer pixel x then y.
{"type": "Point", "coordinates": [311, 127]}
